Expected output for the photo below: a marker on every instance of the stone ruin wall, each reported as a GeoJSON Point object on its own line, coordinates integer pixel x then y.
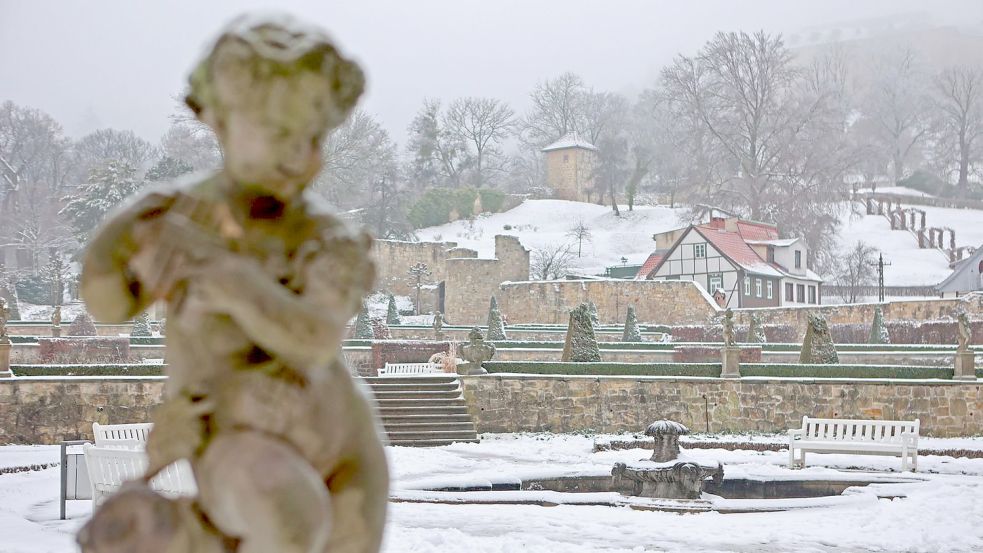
{"type": "Point", "coordinates": [863, 313]}
{"type": "Point", "coordinates": [471, 283]}
{"type": "Point", "coordinates": [664, 302]}
{"type": "Point", "coordinates": [393, 259]}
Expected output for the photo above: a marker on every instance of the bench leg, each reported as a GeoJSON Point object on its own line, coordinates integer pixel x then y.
{"type": "Point", "coordinates": [791, 456]}
{"type": "Point", "coordinates": [904, 461]}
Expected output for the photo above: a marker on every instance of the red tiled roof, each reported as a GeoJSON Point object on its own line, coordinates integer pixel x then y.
{"type": "Point", "coordinates": [733, 246]}
{"type": "Point", "coordinates": [650, 264]}
{"type": "Point", "coordinates": [752, 230]}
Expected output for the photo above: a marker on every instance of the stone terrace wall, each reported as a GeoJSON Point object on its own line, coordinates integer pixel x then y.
{"type": "Point", "coordinates": [660, 302]}
{"type": "Point", "coordinates": [910, 310]}
{"type": "Point", "coordinates": [49, 410]}
{"type": "Point", "coordinates": [610, 404]}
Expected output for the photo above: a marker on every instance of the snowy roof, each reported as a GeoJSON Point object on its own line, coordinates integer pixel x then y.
{"type": "Point", "coordinates": [570, 140]}
{"type": "Point", "coordinates": [781, 243]}
{"type": "Point", "coordinates": [650, 264]}
{"type": "Point", "coordinates": [964, 277]}
{"type": "Point", "coordinates": [732, 245]}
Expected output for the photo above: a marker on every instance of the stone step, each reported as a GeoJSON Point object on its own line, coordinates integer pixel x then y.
{"type": "Point", "coordinates": [435, 435]}
{"type": "Point", "coordinates": [423, 379]}
{"type": "Point", "coordinates": [431, 442]}
{"type": "Point", "coordinates": [384, 403]}
{"type": "Point", "coordinates": [441, 410]}
{"type": "Point", "coordinates": [465, 426]}
{"type": "Point", "coordinates": [427, 419]}
{"type": "Point", "coordinates": [417, 394]}
{"type": "Point", "coordinates": [419, 387]}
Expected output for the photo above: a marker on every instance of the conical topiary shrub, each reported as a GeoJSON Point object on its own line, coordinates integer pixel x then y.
{"type": "Point", "coordinates": [878, 332]}
{"type": "Point", "coordinates": [632, 333]}
{"type": "Point", "coordinates": [363, 326]}
{"type": "Point", "coordinates": [82, 326]}
{"type": "Point", "coordinates": [817, 346]}
{"type": "Point", "coordinates": [581, 344]}
{"type": "Point", "coordinates": [496, 328]}
{"type": "Point", "coordinates": [755, 333]}
{"type": "Point", "coordinates": [392, 314]}
{"type": "Point", "coordinates": [141, 325]}
{"type": "Point", "coordinates": [593, 312]}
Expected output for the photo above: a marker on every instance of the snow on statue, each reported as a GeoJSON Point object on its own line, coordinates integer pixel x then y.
{"type": "Point", "coordinates": [260, 284]}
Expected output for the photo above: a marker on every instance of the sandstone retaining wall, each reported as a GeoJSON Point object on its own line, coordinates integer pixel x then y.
{"type": "Point", "coordinates": [515, 403]}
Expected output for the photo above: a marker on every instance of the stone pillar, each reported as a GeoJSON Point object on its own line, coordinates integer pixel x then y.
{"type": "Point", "coordinates": [730, 362]}
{"type": "Point", "coordinates": [56, 331]}
{"type": "Point", "coordinates": [870, 205]}
{"type": "Point", "coordinates": [965, 365]}
{"type": "Point", "coordinates": [923, 220]}
{"type": "Point", "coordinates": [952, 239]}
{"type": "Point", "coordinates": [5, 358]}
{"type": "Point", "coordinates": [921, 238]}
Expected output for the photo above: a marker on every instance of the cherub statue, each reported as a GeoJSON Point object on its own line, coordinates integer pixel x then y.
{"type": "Point", "coordinates": [259, 283]}
{"type": "Point", "coordinates": [56, 316]}
{"type": "Point", "coordinates": [4, 317]}
{"type": "Point", "coordinates": [438, 325]}
{"type": "Point", "coordinates": [729, 328]}
{"type": "Point", "coordinates": [964, 332]}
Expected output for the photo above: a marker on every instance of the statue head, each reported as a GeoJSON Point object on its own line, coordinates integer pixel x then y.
{"type": "Point", "coordinates": [271, 89]}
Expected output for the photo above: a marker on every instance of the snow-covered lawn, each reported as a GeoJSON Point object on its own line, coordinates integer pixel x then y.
{"type": "Point", "coordinates": [942, 510]}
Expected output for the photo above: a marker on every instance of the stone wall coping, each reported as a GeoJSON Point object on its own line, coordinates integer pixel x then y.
{"type": "Point", "coordinates": [62, 378]}
{"type": "Point", "coordinates": [743, 379]}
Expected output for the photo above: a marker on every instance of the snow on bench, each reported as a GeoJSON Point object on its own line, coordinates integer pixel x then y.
{"type": "Point", "coordinates": [116, 434]}
{"type": "Point", "coordinates": [409, 369]}
{"type": "Point", "coordinates": [869, 437]}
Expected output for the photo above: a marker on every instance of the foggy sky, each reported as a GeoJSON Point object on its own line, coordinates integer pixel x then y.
{"type": "Point", "coordinates": [118, 63]}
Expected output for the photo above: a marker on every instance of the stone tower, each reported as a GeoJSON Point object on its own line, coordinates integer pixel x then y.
{"type": "Point", "coordinates": [569, 167]}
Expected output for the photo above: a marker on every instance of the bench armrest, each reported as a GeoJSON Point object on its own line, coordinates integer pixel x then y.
{"type": "Point", "coordinates": [911, 438]}
{"type": "Point", "coordinates": [795, 432]}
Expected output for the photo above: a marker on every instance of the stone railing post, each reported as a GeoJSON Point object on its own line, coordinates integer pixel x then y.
{"type": "Point", "coordinates": [5, 358]}
{"type": "Point", "coordinates": [921, 238]}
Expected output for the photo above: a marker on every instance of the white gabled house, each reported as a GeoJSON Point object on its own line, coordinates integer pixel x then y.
{"type": "Point", "coordinates": [745, 260]}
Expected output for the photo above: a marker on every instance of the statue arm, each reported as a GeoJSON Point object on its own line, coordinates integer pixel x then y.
{"type": "Point", "coordinates": [112, 292]}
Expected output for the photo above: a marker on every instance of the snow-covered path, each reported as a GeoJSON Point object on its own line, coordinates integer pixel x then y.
{"type": "Point", "coordinates": [943, 512]}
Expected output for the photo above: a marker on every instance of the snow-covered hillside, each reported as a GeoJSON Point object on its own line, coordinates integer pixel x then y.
{"type": "Point", "coordinates": [541, 223]}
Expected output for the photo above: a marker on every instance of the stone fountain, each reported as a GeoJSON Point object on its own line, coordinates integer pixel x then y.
{"type": "Point", "coordinates": [665, 475]}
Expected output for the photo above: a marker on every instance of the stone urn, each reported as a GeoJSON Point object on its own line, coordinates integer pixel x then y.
{"type": "Point", "coordinates": [666, 434]}
{"type": "Point", "coordinates": [474, 352]}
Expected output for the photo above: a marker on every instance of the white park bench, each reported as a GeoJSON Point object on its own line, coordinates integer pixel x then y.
{"type": "Point", "coordinates": [118, 456]}
{"type": "Point", "coordinates": [869, 437]}
{"type": "Point", "coordinates": [409, 369]}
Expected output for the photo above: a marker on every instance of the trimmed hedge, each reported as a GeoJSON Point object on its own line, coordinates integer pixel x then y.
{"type": "Point", "coordinates": [845, 371]}
{"type": "Point", "coordinates": [604, 369]}
{"type": "Point", "coordinates": [88, 370]}
{"type": "Point", "coordinates": [146, 340]}
{"type": "Point", "coordinates": [542, 344]}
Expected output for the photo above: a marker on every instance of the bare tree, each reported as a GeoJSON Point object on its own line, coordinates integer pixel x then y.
{"type": "Point", "coordinates": [551, 262]}
{"type": "Point", "coordinates": [185, 143]}
{"type": "Point", "coordinates": [580, 232]}
{"type": "Point", "coordinates": [959, 103]}
{"type": "Point", "coordinates": [856, 270]}
{"type": "Point", "coordinates": [356, 157]}
{"type": "Point", "coordinates": [98, 148]}
{"type": "Point", "coordinates": [419, 276]}
{"type": "Point", "coordinates": [896, 108]}
{"type": "Point", "coordinates": [483, 124]}
{"type": "Point", "coordinates": [558, 108]}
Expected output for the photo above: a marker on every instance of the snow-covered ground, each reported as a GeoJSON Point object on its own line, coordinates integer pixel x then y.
{"type": "Point", "coordinates": [543, 223]}
{"type": "Point", "coordinates": [941, 510]}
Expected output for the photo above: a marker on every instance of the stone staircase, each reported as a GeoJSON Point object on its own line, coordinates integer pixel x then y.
{"type": "Point", "coordinates": [423, 410]}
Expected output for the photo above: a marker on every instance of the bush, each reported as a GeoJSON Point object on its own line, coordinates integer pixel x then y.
{"type": "Point", "coordinates": [35, 289]}
{"type": "Point", "coordinates": [604, 369]}
{"type": "Point", "coordinates": [435, 206]}
{"type": "Point", "coordinates": [84, 349]}
{"type": "Point", "coordinates": [491, 200]}
{"type": "Point", "coordinates": [88, 370]}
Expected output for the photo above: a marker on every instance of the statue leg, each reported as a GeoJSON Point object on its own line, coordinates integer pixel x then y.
{"type": "Point", "coordinates": [359, 489]}
{"type": "Point", "coordinates": [139, 519]}
{"type": "Point", "coordinates": [261, 491]}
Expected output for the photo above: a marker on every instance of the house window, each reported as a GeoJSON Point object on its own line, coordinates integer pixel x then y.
{"type": "Point", "coordinates": [789, 292]}
{"type": "Point", "coordinates": [716, 282]}
{"type": "Point", "coordinates": [771, 290]}
{"type": "Point", "coordinates": [798, 259]}
{"type": "Point", "coordinates": [812, 294]}
{"type": "Point", "coordinates": [747, 286]}
{"type": "Point", "coordinates": [700, 251]}
{"type": "Point", "coordinates": [757, 287]}
{"type": "Point", "coordinates": [771, 254]}
{"type": "Point", "coordinates": [800, 293]}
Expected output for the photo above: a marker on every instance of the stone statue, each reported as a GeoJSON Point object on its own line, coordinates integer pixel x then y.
{"type": "Point", "coordinates": [4, 317]}
{"type": "Point", "coordinates": [260, 284]}
{"type": "Point", "coordinates": [476, 351]}
{"type": "Point", "coordinates": [56, 316]}
{"type": "Point", "coordinates": [729, 328]}
{"type": "Point", "coordinates": [438, 326]}
{"type": "Point", "coordinates": [964, 332]}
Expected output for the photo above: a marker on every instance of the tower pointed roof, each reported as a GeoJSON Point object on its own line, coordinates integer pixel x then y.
{"type": "Point", "coordinates": [570, 140]}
